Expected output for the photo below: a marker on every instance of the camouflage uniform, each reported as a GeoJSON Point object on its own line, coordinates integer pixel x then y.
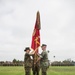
{"type": "Point", "coordinates": [44, 62]}
{"type": "Point", "coordinates": [35, 67]}
{"type": "Point", "coordinates": [27, 64]}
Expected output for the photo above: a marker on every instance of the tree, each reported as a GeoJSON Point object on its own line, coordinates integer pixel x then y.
{"type": "Point", "coordinates": [14, 61]}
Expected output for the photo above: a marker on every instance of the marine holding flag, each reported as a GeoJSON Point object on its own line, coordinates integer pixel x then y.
{"type": "Point", "coordinates": [36, 43]}
{"type": "Point", "coordinates": [43, 58]}
{"type": "Point", "coordinates": [28, 61]}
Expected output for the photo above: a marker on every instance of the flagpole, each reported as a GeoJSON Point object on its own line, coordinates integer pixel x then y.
{"type": "Point", "coordinates": [35, 66]}
{"type": "Point", "coordinates": [36, 43]}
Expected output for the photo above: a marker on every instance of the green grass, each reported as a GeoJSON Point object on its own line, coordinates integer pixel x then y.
{"type": "Point", "coordinates": [64, 70]}
{"type": "Point", "coordinates": [11, 70]}
{"type": "Point", "coordinates": [51, 71]}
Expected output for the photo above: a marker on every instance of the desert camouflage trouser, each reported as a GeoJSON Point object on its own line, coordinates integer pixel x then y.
{"type": "Point", "coordinates": [44, 70]}
{"type": "Point", "coordinates": [27, 71]}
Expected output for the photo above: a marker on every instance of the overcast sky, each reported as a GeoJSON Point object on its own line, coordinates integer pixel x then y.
{"type": "Point", "coordinates": [17, 20]}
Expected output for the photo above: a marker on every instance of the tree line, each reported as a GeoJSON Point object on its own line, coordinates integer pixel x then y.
{"type": "Point", "coordinates": [13, 63]}
{"type": "Point", "coordinates": [16, 62]}
{"type": "Point", "coordinates": [63, 63]}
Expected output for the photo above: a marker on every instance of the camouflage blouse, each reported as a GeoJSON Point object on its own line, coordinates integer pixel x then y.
{"type": "Point", "coordinates": [27, 60]}
{"type": "Point", "coordinates": [44, 59]}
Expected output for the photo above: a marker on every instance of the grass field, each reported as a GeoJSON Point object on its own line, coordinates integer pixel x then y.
{"type": "Point", "coordinates": [51, 71]}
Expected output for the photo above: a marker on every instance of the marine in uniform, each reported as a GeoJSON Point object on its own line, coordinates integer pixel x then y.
{"type": "Point", "coordinates": [43, 58]}
{"type": "Point", "coordinates": [27, 61]}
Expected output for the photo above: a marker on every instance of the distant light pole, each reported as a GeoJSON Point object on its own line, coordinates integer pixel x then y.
{"type": "Point", "coordinates": [54, 57]}
{"type": "Point", "coordinates": [48, 57]}
{"type": "Point", "coordinates": [48, 51]}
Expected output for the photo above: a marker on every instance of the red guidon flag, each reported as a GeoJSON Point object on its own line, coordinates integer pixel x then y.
{"type": "Point", "coordinates": [36, 34]}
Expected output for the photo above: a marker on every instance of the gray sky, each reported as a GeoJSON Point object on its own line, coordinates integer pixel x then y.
{"type": "Point", "coordinates": [17, 20]}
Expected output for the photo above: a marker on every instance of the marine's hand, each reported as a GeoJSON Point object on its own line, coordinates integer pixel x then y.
{"type": "Point", "coordinates": [32, 52]}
